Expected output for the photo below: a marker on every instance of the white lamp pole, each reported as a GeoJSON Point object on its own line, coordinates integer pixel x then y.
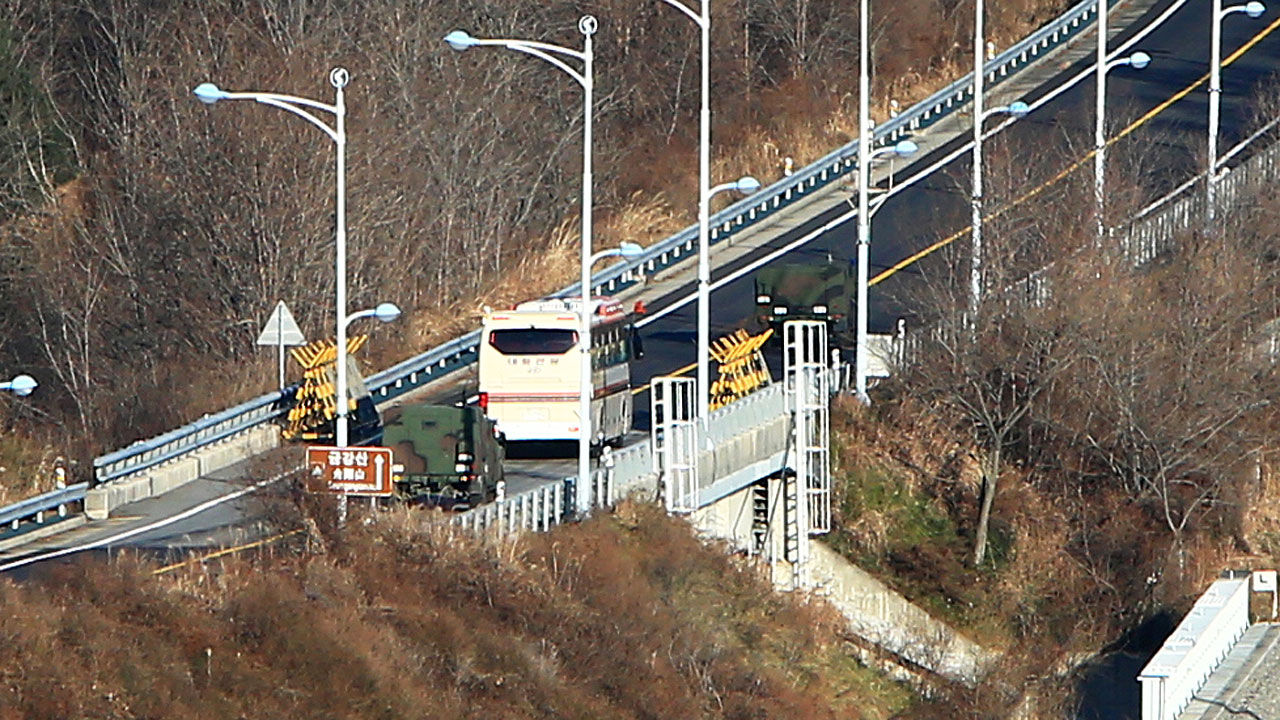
{"type": "Point", "coordinates": [385, 312]}
{"type": "Point", "coordinates": [975, 203]}
{"type": "Point", "coordinates": [1252, 9]}
{"type": "Point", "coordinates": [587, 25]}
{"type": "Point", "coordinates": [338, 77]}
{"type": "Point", "coordinates": [703, 21]}
{"type": "Point", "coordinates": [1016, 109]}
{"type": "Point", "coordinates": [864, 215]}
{"type": "Point", "coordinates": [903, 148]}
{"type": "Point", "coordinates": [1137, 61]}
{"type": "Point", "coordinates": [22, 385]}
{"type": "Point", "coordinates": [1100, 112]}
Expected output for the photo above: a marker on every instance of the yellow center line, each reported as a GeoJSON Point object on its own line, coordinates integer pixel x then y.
{"type": "Point", "coordinates": [225, 551]}
{"type": "Point", "coordinates": [1051, 182]}
{"type": "Point", "coordinates": [1077, 164]}
{"type": "Point", "coordinates": [681, 371]}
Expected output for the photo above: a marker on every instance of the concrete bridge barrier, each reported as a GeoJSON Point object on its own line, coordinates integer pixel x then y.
{"type": "Point", "coordinates": [99, 502]}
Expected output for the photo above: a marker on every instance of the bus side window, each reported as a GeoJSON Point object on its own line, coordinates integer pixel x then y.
{"type": "Point", "coordinates": [637, 345]}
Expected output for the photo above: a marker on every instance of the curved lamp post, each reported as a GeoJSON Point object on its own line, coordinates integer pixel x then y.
{"type": "Point", "coordinates": [1253, 9]}
{"type": "Point", "coordinates": [22, 385]}
{"type": "Point", "coordinates": [703, 20]}
{"type": "Point", "coordinates": [585, 494]}
{"type": "Point", "coordinates": [384, 312]}
{"type": "Point", "coordinates": [746, 185]}
{"type": "Point", "coordinates": [460, 40]}
{"type": "Point", "coordinates": [209, 94]}
{"type": "Point", "coordinates": [1016, 109]}
{"type": "Point", "coordinates": [903, 148]}
{"type": "Point", "coordinates": [1137, 61]}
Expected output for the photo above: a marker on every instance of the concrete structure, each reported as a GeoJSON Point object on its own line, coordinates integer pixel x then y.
{"type": "Point", "coordinates": [751, 521]}
{"type": "Point", "coordinates": [1246, 683]}
{"type": "Point", "coordinates": [1199, 643]}
{"type": "Point", "coordinates": [1215, 664]}
{"type": "Point", "coordinates": [100, 501]}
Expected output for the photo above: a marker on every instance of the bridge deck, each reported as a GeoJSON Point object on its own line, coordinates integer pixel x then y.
{"type": "Point", "coordinates": [1246, 683]}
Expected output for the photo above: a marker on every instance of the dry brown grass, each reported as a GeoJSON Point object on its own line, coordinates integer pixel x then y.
{"type": "Point", "coordinates": [627, 617]}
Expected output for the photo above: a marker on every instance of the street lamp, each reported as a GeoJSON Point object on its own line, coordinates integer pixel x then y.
{"type": "Point", "coordinates": [1253, 9]}
{"type": "Point", "coordinates": [586, 388]}
{"type": "Point", "coordinates": [587, 25]}
{"type": "Point", "coordinates": [1016, 109]}
{"type": "Point", "coordinates": [903, 148]}
{"type": "Point", "coordinates": [385, 312]}
{"type": "Point", "coordinates": [1137, 61]}
{"type": "Point", "coordinates": [703, 20]}
{"type": "Point", "coordinates": [22, 385]}
{"type": "Point", "coordinates": [745, 185]}
{"type": "Point", "coordinates": [209, 94]}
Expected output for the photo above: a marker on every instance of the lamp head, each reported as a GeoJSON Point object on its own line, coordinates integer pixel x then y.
{"type": "Point", "coordinates": [22, 385]}
{"type": "Point", "coordinates": [1139, 60]}
{"type": "Point", "coordinates": [208, 93]}
{"type": "Point", "coordinates": [905, 148]}
{"type": "Point", "coordinates": [459, 40]}
{"type": "Point", "coordinates": [386, 312]}
{"type": "Point", "coordinates": [1018, 109]}
{"type": "Point", "coordinates": [747, 185]}
{"type": "Point", "coordinates": [630, 250]}
{"type": "Point", "coordinates": [1254, 9]}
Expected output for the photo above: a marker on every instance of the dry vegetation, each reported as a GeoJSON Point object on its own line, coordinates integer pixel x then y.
{"type": "Point", "coordinates": [626, 616]}
{"type": "Point", "coordinates": [1120, 436]}
{"type": "Point", "coordinates": [144, 236]}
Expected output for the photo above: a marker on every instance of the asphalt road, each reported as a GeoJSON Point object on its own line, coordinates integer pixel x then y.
{"type": "Point", "coordinates": [1172, 145]}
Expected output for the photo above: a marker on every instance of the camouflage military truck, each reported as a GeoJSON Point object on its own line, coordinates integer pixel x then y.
{"type": "Point", "coordinates": [795, 291]}
{"type": "Point", "coordinates": [445, 455]}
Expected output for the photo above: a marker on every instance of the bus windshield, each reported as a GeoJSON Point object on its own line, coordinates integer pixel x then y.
{"type": "Point", "coordinates": [533, 341]}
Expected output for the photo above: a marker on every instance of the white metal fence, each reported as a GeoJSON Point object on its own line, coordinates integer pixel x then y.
{"type": "Point", "coordinates": [1194, 650]}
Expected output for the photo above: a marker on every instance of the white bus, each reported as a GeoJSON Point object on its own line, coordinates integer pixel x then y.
{"type": "Point", "coordinates": [530, 370]}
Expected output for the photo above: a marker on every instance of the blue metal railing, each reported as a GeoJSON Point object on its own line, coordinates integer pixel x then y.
{"type": "Point", "coordinates": [32, 511]}
{"type": "Point", "coordinates": [460, 352]}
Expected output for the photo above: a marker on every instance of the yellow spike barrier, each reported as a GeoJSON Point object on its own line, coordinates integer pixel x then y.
{"type": "Point", "coordinates": [741, 366]}
{"type": "Point", "coordinates": [315, 404]}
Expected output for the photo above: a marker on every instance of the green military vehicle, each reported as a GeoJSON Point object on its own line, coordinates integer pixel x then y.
{"type": "Point", "coordinates": [445, 455]}
{"type": "Point", "coordinates": [796, 291]}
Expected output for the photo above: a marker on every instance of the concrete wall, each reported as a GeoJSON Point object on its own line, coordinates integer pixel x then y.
{"type": "Point", "coordinates": [102, 500]}
{"type": "Point", "coordinates": [879, 615]}
{"type": "Point", "coordinates": [874, 612]}
{"type": "Point", "coordinates": [728, 520]}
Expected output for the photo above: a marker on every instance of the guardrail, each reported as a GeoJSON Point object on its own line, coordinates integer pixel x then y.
{"type": "Point", "coordinates": [34, 510]}
{"type": "Point", "coordinates": [629, 472]}
{"type": "Point", "coordinates": [1152, 231]}
{"type": "Point", "coordinates": [424, 368]}
{"type": "Point", "coordinates": [209, 429]}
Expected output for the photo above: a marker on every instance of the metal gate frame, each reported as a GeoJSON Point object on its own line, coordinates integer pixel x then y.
{"type": "Point", "coordinates": [808, 391]}
{"type": "Point", "coordinates": [674, 438]}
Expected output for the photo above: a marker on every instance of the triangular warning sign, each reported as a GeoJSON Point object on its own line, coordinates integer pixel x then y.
{"type": "Point", "coordinates": [281, 328]}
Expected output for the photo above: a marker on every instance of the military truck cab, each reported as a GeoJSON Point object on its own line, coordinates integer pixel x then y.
{"type": "Point", "coordinates": [794, 291]}
{"type": "Point", "coordinates": [445, 455]}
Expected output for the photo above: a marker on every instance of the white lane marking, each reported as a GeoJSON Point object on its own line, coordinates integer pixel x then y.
{"type": "Point", "coordinates": [899, 187]}
{"type": "Point", "coordinates": [152, 526]}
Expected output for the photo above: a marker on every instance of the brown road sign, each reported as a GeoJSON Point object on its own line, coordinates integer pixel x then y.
{"type": "Point", "coordinates": [350, 470]}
